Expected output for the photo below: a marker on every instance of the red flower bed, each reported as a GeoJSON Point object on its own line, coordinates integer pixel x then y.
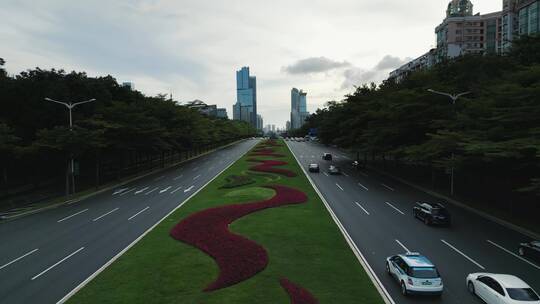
{"type": "Point", "coordinates": [238, 258]}
{"type": "Point", "coordinates": [268, 166]}
{"type": "Point", "coordinates": [267, 154]}
{"type": "Point", "coordinates": [297, 294]}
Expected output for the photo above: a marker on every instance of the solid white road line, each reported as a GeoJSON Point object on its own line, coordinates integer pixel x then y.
{"type": "Point", "coordinates": [387, 187]}
{"type": "Point", "coordinates": [325, 173]}
{"type": "Point", "coordinates": [395, 208]}
{"type": "Point", "coordinates": [361, 258]}
{"type": "Point", "coordinates": [120, 191]}
{"type": "Point", "coordinates": [104, 215]}
{"type": "Point", "coordinates": [165, 190]}
{"type": "Point", "coordinates": [189, 189]}
{"type": "Point", "coordinates": [129, 219]}
{"type": "Point", "coordinates": [362, 208]}
{"type": "Point", "coordinates": [75, 214]}
{"type": "Point", "coordinates": [126, 192]}
{"type": "Point", "coordinates": [359, 184]}
{"type": "Point", "coordinates": [339, 187]}
{"type": "Point", "coordinates": [402, 246]}
{"type": "Point", "coordinates": [142, 190]}
{"type": "Point", "coordinates": [196, 177]}
{"type": "Point", "coordinates": [56, 264]}
{"type": "Point", "coordinates": [178, 177]}
{"type": "Point", "coordinates": [109, 262]}
{"type": "Point", "coordinates": [19, 258]}
{"type": "Point", "coordinates": [463, 254]}
{"type": "Point", "coordinates": [517, 256]}
{"type": "Point", "coordinates": [176, 190]}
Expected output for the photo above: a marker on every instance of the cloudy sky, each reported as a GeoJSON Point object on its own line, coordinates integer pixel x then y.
{"type": "Point", "coordinates": [192, 48]}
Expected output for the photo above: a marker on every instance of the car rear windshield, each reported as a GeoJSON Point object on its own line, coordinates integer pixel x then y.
{"type": "Point", "coordinates": [424, 272]}
{"type": "Point", "coordinates": [522, 294]}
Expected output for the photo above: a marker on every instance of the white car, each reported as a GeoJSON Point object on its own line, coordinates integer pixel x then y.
{"type": "Point", "coordinates": [415, 274]}
{"type": "Point", "coordinates": [501, 289]}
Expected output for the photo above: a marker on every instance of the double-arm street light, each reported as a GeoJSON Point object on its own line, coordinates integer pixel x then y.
{"type": "Point", "coordinates": [70, 107]}
{"type": "Point", "coordinates": [454, 98]}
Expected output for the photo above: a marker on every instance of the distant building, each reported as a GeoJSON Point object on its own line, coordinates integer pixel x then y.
{"type": "Point", "coordinates": [259, 122]}
{"type": "Point", "coordinates": [203, 108]}
{"type": "Point", "coordinates": [463, 32]}
{"type": "Point", "coordinates": [222, 113]}
{"type": "Point", "coordinates": [245, 107]}
{"type": "Point", "coordinates": [129, 85]}
{"type": "Point", "coordinates": [287, 125]}
{"type": "Point", "coordinates": [299, 112]}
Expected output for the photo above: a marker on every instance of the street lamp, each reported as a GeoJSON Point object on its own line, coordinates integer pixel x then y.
{"type": "Point", "coordinates": [70, 107]}
{"type": "Point", "coordinates": [453, 98]}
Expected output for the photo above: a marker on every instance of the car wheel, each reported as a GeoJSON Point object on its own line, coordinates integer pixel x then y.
{"type": "Point", "coordinates": [471, 288]}
{"type": "Point", "coordinates": [404, 289]}
{"type": "Point", "coordinates": [521, 251]}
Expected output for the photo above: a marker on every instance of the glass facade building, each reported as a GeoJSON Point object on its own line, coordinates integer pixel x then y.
{"type": "Point", "coordinates": [299, 111]}
{"type": "Point", "coordinates": [246, 97]}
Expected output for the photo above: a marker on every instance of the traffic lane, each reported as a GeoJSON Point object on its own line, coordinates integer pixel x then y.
{"type": "Point", "coordinates": [110, 229]}
{"type": "Point", "coordinates": [369, 238]}
{"type": "Point", "coordinates": [484, 229]}
{"type": "Point", "coordinates": [37, 227]}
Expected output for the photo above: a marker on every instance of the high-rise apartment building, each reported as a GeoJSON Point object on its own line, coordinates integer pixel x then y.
{"type": "Point", "coordinates": [299, 111]}
{"type": "Point", "coordinates": [463, 32]}
{"type": "Point", "coordinates": [246, 97]}
{"type": "Point", "coordinates": [260, 122]}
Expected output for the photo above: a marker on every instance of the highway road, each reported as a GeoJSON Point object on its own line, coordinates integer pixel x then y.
{"type": "Point", "coordinates": [376, 211]}
{"type": "Point", "coordinates": [46, 255]}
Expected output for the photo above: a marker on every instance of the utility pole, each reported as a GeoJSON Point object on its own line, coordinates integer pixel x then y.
{"type": "Point", "coordinates": [454, 98]}
{"type": "Point", "coordinates": [70, 107]}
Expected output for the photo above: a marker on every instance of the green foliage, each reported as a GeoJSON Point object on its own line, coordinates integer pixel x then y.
{"type": "Point", "coordinates": [234, 181]}
{"type": "Point", "coordinates": [497, 125]}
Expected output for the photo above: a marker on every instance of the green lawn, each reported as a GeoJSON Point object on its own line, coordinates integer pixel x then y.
{"type": "Point", "coordinates": [302, 241]}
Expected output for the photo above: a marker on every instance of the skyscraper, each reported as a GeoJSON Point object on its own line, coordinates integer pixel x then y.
{"type": "Point", "coordinates": [246, 97]}
{"type": "Point", "coordinates": [299, 111]}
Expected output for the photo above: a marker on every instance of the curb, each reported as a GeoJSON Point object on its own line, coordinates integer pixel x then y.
{"type": "Point", "coordinates": [367, 268]}
{"type": "Point", "coordinates": [120, 184]}
{"type": "Point", "coordinates": [524, 231]}
{"type": "Point", "coordinates": [119, 254]}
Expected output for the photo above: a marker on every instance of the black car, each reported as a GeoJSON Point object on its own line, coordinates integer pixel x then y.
{"type": "Point", "coordinates": [530, 250]}
{"type": "Point", "coordinates": [432, 214]}
{"type": "Point", "coordinates": [327, 156]}
{"type": "Point", "coordinates": [314, 168]}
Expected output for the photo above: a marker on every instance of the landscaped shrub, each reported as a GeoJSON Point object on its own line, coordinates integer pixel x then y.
{"type": "Point", "coordinates": [297, 294]}
{"type": "Point", "coordinates": [238, 258]}
{"type": "Point", "coordinates": [268, 166]}
{"type": "Point", "coordinates": [234, 181]}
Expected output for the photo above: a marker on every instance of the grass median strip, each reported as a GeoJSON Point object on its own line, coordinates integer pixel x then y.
{"type": "Point", "coordinates": [301, 242]}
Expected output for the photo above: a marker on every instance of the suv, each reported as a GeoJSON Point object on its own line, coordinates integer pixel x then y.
{"type": "Point", "coordinates": [415, 274]}
{"type": "Point", "coordinates": [432, 213]}
{"type": "Point", "coordinates": [327, 156]}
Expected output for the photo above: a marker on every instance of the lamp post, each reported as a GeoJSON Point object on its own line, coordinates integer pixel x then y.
{"type": "Point", "coordinates": [454, 98]}
{"type": "Point", "coordinates": [70, 107]}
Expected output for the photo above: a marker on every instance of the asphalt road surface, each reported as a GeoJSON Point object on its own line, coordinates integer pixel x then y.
{"type": "Point", "coordinates": [46, 255]}
{"type": "Point", "coordinates": [377, 213]}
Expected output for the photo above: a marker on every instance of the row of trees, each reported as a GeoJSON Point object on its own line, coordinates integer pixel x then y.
{"type": "Point", "coordinates": [494, 132]}
{"type": "Point", "coordinates": [121, 128]}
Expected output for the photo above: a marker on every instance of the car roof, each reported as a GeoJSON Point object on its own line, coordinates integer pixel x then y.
{"type": "Point", "coordinates": [313, 165]}
{"type": "Point", "coordinates": [433, 205]}
{"type": "Point", "coordinates": [416, 260]}
{"type": "Point", "coordinates": [508, 281]}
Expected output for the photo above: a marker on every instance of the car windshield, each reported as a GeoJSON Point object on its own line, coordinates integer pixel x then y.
{"type": "Point", "coordinates": [522, 294]}
{"type": "Point", "coordinates": [423, 272]}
